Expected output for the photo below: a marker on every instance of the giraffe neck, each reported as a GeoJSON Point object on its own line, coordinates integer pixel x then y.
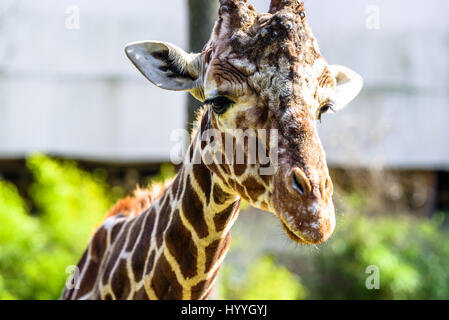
{"type": "Point", "coordinates": [172, 250]}
{"type": "Point", "coordinates": [193, 236]}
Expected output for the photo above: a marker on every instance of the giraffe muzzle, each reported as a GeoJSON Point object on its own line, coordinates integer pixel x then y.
{"type": "Point", "coordinates": [304, 206]}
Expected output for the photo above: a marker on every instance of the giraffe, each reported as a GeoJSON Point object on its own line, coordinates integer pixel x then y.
{"type": "Point", "coordinates": [257, 71]}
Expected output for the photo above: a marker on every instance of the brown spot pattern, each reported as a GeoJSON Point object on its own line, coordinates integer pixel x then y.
{"type": "Point", "coordinates": [141, 294]}
{"type": "Point", "coordinates": [216, 249]}
{"type": "Point", "coordinates": [203, 177]}
{"type": "Point", "coordinates": [192, 208]}
{"type": "Point", "coordinates": [135, 231]}
{"type": "Point", "coordinates": [222, 218]}
{"type": "Point", "coordinates": [219, 195]}
{"type": "Point", "coordinates": [181, 246]}
{"type": "Point", "coordinates": [114, 256]}
{"type": "Point", "coordinates": [164, 217]}
{"type": "Point", "coordinates": [253, 188]}
{"type": "Point", "coordinates": [140, 253]}
{"type": "Point", "coordinates": [120, 282]}
{"type": "Point", "coordinates": [164, 282]}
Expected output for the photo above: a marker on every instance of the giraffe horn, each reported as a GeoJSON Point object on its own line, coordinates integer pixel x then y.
{"type": "Point", "coordinates": [296, 6]}
{"type": "Point", "coordinates": [231, 6]}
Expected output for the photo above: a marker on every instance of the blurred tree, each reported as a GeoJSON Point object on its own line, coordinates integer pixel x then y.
{"type": "Point", "coordinates": [412, 254]}
{"type": "Point", "coordinates": [202, 16]}
{"type": "Point", "coordinates": [264, 279]}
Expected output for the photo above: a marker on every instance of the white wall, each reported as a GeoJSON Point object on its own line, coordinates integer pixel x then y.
{"type": "Point", "coordinates": [74, 93]}
{"type": "Point", "coordinates": [402, 116]}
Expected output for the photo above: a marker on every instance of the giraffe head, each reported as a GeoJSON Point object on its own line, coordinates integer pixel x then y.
{"type": "Point", "coordinates": [263, 71]}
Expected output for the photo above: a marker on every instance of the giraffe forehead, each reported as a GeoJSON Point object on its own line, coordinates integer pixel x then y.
{"type": "Point", "coordinates": [274, 56]}
{"type": "Point", "coordinates": [287, 81]}
{"type": "Point", "coordinates": [280, 45]}
{"type": "Point", "coordinates": [248, 32]}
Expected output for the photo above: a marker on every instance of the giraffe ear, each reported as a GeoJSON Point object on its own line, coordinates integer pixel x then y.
{"type": "Point", "coordinates": [164, 64]}
{"type": "Point", "coordinates": [349, 84]}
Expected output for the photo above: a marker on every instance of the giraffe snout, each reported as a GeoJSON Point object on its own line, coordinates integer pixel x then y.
{"type": "Point", "coordinates": [303, 203]}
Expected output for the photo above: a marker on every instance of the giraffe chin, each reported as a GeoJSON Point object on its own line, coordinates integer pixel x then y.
{"type": "Point", "coordinates": [292, 235]}
{"type": "Point", "coordinates": [300, 239]}
{"type": "Point", "coordinates": [304, 229]}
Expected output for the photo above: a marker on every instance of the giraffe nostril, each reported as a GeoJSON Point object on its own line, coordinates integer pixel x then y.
{"type": "Point", "coordinates": [298, 183]}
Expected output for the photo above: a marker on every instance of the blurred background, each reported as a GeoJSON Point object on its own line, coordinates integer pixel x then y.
{"type": "Point", "coordinates": [80, 128]}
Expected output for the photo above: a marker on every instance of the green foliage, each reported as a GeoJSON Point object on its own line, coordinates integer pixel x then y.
{"type": "Point", "coordinates": [35, 250]}
{"type": "Point", "coordinates": [37, 246]}
{"type": "Point", "coordinates": [412, 256]}
{"type": "Point", "coordinates": [16, 243]}
{"type": "Point", "coordinates": [166, 171]}
{"type": "Point", "coordinates": [70, 201]}
{"type": "Point", "coordinates": [263, 280]}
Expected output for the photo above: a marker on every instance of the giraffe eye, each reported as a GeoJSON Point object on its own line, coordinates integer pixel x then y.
{"type": "Point", "coordinates": [325, 108]}
{"type": "Point", "coordinates": [219, 104]}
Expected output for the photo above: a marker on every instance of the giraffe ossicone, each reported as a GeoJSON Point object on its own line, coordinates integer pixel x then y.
{"type": "Point", "coordinates": [257, 72]}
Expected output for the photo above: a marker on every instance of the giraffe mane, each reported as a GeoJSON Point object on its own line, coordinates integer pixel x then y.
{"type": "Point", "coordinates": [139, 201]}
{"type": "Point", "coordinates": [196, 123]}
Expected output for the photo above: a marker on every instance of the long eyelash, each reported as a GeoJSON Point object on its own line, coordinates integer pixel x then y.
{"type": "Point", "coordinates": [209, 101]}
{"type": "Point", "coordinates": [329, 107]}
{"type": "Point", "coordinates": [220, 100]}
{"type": "Point", "coordinates": [219, 104]}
